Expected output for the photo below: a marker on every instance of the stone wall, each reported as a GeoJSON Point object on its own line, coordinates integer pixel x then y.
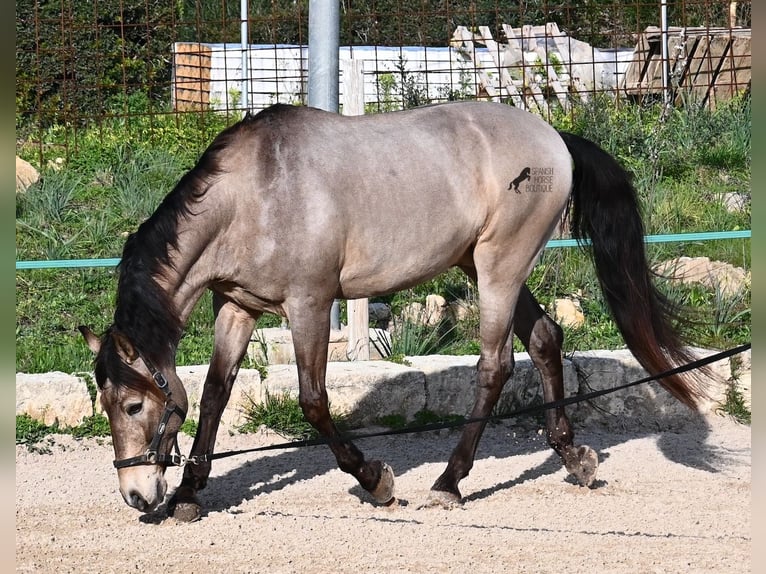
{"type": "Point", "coordinates": [368, 390]}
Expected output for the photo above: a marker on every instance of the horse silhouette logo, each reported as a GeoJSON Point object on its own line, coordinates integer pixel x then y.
{"type": "Point", "coordinates": [522, 176]}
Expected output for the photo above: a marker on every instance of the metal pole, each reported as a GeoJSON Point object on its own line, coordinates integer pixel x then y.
{"type": "Point", "coordinates": [664, 47]}
{"type": "Point", "coordinates": [324, 71]}
{"type": "Point", "coordinates": [324, 40]}
{"type": "Point", "coordinates": [244, 80]}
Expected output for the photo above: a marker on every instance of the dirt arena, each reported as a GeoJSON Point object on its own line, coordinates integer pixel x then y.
{"type": "Point", "coordinates": [663, 502]}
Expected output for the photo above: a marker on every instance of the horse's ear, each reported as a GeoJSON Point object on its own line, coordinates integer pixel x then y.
{"type": "Point", "coordinates": [90, 338]}
{"type": "Point", "coordinates": [124, 347]}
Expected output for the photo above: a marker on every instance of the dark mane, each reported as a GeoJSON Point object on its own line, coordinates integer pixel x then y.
{"type": "Point", "coordinates": [144, 312]}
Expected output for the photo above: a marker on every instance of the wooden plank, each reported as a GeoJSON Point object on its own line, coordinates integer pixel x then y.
{"type": "Point", "coordinates": [191, 75]}
{"type": "Point", "coordinates": [358, 346]}
{"type": "Point", "coordinates": [653, 74]}
{"type": "Point", "coordinates": [701, 70]}
{"type": "Point", "coordinates": [552, 76]}
{"type": "Point", "coordinates": [565, 47]}
{"type": "Point", "coordinates": [743, 62]}
{"type": "Point", "coordinates": [506, 81]}
{"type": "Point", "coordinates": [735, 72]}
{"type": "Point", "coordinates": [676, 58]}
{"type": "Point", "coordinates": [720, 86]}
{"type": "Point", "coordinates": [465, 46]}
{"type": "Point", "coordinates": [522, 89]}
{"type": "Point", "coordinates": [637, 68]}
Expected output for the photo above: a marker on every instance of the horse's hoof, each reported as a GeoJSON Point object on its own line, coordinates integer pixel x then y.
{"type": "Point", "coordinates": [582, 463]}
{"type": "Point", "coordinates": [441, 499]}
{"type": "Point", "coordinates": [186, 512]}
{"type": "Point", "coordinates": [384, 491]}
{"type": "Point", "coordinates": [184, 508]}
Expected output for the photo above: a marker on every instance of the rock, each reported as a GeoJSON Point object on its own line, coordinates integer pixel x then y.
{"type": "Point", "coordinates": [712, 274]}
{"type": "Point", "coordinates": [462, 310]}
{"type": "Point", "coordinates": [52, 397]}
{"type": "Point", "coordinates": [380, 314]}
{"type": "Point", "coordinates": [56, 164]}
{"type": "Point", "coordinates": [431, 314]}
{"type": "Point", "coordinates": [735, 201]}
{"type": "Point", "coordinates": [368, 390]}
{"type": "Point", "coordinates": [568, 312]}
{"type": "Point", "coordinates": [26, 175]}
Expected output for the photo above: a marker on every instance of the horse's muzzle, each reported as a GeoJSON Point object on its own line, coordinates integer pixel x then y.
{"type": "Point", "coordinates": [145, 494]}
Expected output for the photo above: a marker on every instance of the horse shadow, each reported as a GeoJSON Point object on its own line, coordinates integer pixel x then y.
{"type": "Point", "coordinates": [685, 443]}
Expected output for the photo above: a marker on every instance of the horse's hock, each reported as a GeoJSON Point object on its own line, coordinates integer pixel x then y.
{"type": "Point", "coordinates": [369, 390]}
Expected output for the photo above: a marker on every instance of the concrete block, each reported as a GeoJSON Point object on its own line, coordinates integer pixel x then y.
{"type": "Point", "coordinates": [647, 405]}
{"type": "Point", "coordinates": [248, 384]}
{"type": "Point", "coordinates": [364, 390]}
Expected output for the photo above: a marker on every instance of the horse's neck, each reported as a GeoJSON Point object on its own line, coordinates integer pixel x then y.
{"type": "Point", "coordinates": [193, 262]}
{"type": "Point", "coordinates": [184, 287]}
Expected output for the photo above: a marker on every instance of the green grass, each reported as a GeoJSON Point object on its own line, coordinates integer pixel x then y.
{"type": "Point", "coordinates": [32, 432]}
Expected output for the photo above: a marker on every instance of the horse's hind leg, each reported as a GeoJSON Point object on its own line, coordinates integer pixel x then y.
{"type": "Point", "coordinates": [233, 327]}
{"type": "Point", "coordinates": [543, 338]}
{"type": "Point", "coordinates": [496, 304]}
{"type": "Point", "coordinates": [311, 328]}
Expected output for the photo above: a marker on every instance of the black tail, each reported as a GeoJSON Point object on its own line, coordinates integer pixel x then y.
{"type": "Point", "coordinates": [605, 210]}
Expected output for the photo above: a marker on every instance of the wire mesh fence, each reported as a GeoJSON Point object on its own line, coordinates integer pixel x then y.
{"type": "Point", "coordinates": [79, 64]}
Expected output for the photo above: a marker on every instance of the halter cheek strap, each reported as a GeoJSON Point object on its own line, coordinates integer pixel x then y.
{"type": "Point", "coordinates": [152, 454]}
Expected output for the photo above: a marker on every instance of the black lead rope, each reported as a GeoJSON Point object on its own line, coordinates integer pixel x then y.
{"type": "Point", "coordinates": [452, 424]}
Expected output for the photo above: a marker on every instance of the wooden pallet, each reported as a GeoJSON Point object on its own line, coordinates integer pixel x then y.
{"type": "Point", "coordinates": [710, 64]}
{"type": "Point", "coordinates": [191, 76]}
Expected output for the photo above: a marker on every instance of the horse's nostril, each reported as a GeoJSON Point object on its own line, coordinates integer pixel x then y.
{"type": "Point", "coordinates": [135, 500]}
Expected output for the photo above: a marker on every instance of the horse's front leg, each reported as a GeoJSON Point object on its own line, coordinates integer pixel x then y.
{"type": "Point", "coordinates": [310, 329]}
{"type": "Point", "coordinates": [543, 339]}
{"type": "Point", "coordinates": [233, 327]}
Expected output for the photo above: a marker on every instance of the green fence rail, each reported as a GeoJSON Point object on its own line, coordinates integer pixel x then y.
{"type": "Point", "coordinates": [667, 238]}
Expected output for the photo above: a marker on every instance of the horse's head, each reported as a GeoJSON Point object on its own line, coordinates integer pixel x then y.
{"type": "Point", "coordinates": [145, 404]}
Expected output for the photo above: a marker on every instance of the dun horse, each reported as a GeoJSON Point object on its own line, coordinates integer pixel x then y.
{"type": "Point", "coordinates": [293, 207]}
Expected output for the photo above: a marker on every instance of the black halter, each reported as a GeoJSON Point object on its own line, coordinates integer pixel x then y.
{"type": "Point", "coordinates": [152, 456]}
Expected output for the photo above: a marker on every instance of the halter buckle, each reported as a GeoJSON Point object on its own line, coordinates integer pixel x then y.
{"type": "Point", "coordinates": [177, 459]}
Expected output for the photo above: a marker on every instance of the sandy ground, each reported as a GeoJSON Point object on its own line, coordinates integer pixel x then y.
{"type": "Point", "coordinates": [663, 502]}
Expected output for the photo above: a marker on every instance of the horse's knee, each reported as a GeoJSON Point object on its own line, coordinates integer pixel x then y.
{"type": "Point", "coordinates": [493, 372]}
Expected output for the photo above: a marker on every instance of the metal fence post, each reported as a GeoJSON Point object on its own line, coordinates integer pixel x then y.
{"type": "Point", "coordinates": [324, 46]}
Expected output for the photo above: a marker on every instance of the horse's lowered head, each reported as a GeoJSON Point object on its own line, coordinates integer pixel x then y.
{"type": "Point", "coordinates": [146, 404]}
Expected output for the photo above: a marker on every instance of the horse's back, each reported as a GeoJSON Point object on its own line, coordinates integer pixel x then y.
{"type": "Point", "coordinates": [388, 200]}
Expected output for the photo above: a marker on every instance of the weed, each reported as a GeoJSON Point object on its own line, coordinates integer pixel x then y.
{"type": "Point", "coordinates": [94, 425]}
{"type": "Point", "coordinates": [32, 432]}
{"type": "Point", "coordinates": [282, 414]}
{"type": "Point", "coordinates": [395, 421]}
{"type": "Point", "coordinates": [734, 405]}
{"type": "Point", "coordinates": [189, 427]}
{"type": "Point", "coordinates": [414, 335]}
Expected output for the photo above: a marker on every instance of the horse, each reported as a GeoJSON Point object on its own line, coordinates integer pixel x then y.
{"type": "Point", "coordinates": [293, 207]}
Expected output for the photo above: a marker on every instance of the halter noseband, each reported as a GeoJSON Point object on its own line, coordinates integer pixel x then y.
{"type": "Point", "coordinates": [152, 454]}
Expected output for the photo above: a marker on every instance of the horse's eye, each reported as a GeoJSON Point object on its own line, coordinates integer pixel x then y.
{"type": "Point", "coordinates": [134, 409]}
